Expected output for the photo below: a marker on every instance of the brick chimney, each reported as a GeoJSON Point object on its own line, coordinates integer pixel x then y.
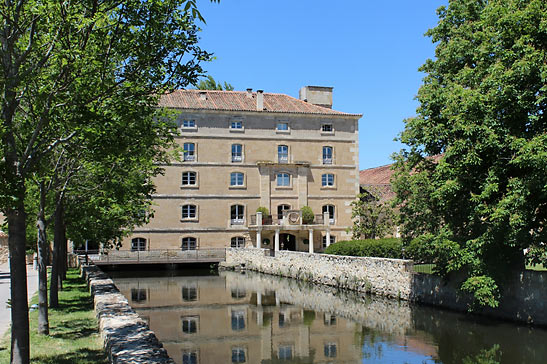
{"type": "Point", "coordinates": [317, 95]}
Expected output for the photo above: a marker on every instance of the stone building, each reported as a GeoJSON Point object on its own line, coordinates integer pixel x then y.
{"type": "Point", "coordinates": [242, 150]}
{"type": "Point", "coordinates": [3, 235]}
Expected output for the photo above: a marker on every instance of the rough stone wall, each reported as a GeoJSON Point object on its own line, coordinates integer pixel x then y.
{"type": "Point", "coordinates": [389, 316]}
{"type": "Point", "coordinates": [127, 338]}
{"type": "Point", "coordinates": [524, 297]}
{"type": "Point", "coordinates": [384, 277]}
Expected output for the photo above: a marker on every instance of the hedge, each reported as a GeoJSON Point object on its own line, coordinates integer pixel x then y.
{"type": "Point", "coordinates": [382, 248]}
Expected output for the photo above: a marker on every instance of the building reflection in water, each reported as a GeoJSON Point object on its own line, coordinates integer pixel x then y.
{"type": "Point", "coordinates": [255, 318]}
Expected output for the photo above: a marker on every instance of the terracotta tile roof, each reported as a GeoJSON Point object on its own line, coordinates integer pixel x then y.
{"type": "Point", "coordinates": [376, 176]}
{"type": "Point", "coordinates": [240, 101]}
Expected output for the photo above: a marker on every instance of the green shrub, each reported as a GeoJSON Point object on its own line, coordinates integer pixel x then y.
{"type": "Point", "coordinates": [264, 210]}
{"type": "Point", "coordinates": [307, 215]}
{"type": "Point", "coordinates": [382, 248]}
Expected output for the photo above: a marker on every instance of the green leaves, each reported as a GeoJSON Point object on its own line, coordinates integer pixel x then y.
{"type": "Point", "coordinates": [474, 171]}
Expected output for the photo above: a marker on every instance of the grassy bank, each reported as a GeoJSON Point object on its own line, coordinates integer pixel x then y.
{"type": "Point", "coordinates": [74, 336]}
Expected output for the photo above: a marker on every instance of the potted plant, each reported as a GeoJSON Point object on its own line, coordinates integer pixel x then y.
{"type": "Point", "coordinates": [265, 213]}
{"type": "Point", "coordinates": [307, 215]}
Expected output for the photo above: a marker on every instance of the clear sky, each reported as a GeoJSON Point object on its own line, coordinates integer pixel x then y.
{"type": "Point", "coordinates": [369, 51]}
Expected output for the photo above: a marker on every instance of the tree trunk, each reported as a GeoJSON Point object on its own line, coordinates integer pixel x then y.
{"type": "Point", "coordinates": [20, 345]}
{"type": "Point", "coordinates": [64, 256]}
{"type": "Point", "coordinates": [56, 261]}
{"type": "Point", "coordinates": [43, 320]}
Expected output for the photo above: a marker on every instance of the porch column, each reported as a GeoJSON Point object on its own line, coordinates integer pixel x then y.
{"type": "Point", "coordinates": [328, 237]}
{"type": "Point", "coordinates": [310, 238]}
{"type": "Point", "coordinates": [276, 240]}
{"type": "Point", "coordinates": [258, 238]}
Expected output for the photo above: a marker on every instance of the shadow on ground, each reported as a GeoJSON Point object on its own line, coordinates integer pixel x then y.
{"type": "Point", "coordinates": [83, 356]}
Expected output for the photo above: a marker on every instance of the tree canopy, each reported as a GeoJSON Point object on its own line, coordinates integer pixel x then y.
{"type": "Point", "coordinates": [209, 83]}
{"type": "Point", "coordinates": [482, 109]}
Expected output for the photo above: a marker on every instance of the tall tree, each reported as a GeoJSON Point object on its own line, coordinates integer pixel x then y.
{"type": "Point", "coordinates": [61, 57]}
{"type": "Point", "coordinates": [482, 105]}
{"type": "Point", "coordinates": [372, 215]}
{"type": "Point", "coordinates": [209, 83]}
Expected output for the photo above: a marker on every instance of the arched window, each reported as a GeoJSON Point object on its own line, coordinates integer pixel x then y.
{"type": "Point", "coordinates": [189, 243]}
{"type": "Point", "coordinates": [281, 209]}
{"type": "Point", "coordinates": [237, 242]}
{"type": "Point", "coordinates": [189, 152]}
{"type": "Point", "coordinates": [237, 214]}
{"type": "Point", "coordinates": [330, 210]}
{"type": "Point", "coordinates": [138, 244]}
{"type": "Point", "coordinates": [237, 153]}
{"type": "Point", "coordinates": [327, 155]}
{"type": "Point", "coordinates": [189, 212]}
{"type": "Point", "coordinates": [283, 154]}
{"type": "Point", "coordinates": [283, 179]}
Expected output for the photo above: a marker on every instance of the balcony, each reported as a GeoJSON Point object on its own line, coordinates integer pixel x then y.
{"type": "Point", "coordinates": [276, 220]}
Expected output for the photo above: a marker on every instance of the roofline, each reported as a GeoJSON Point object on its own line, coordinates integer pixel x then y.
{"type": "Point", "coordinates": [342, 114]}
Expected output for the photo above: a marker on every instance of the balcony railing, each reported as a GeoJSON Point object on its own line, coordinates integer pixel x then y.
{"type": "Point", "coordinates": [237, 221]}
{"type": "Point", "coordinates": [283, 158]}
{"type": "Point", "coordinates": [268, 220]}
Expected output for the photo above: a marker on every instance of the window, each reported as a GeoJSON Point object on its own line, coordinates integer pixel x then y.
{"type": "Point", "coordinates": [237, 242]}
{"type": "Point", "coordinates": [238, 355]}
{"type": "Point", "coordinates": [138, 295]}
{"type": "Point", "coordinates": [188, 123]}
{"type": "Point", "coordinates": [283, 154]}
{"type": "Point", "coordinates": [283, 180]}
{"type": "Point", "coordinates": [236, 124]}
{"type": "Point", "coordinates": [189, 293]}
{"type": "Point", "coordinates": [238, 293]}
{"type": "Point", "coordinates": [329, 349]}
{"type": "Point", "coordinates": [327, 155]}
{"type": "Point", "coordinates": [327, 180]}
{"type": "Point", "coordinates": [330, 210]}
{"type": "Point", "coordinates": [236, 179]}
{"type": "Point", "coordinates": [285, 352]}
{"type": "Point", "coordinates": [190, 324]}
{"type": "Point", "coordinates": [329, 320]}
{"type": "Point", "coordinates": [327, 128]}
{"type": "Point", "coordinates": [332, 241]}
{"type": "Point", "coordinates": [189, 212]}
{"type": "Point", "coordinates": [189, 357]}
{"type": "Point", "coordinates": [189, 178]}
{"type": "Point", "coordinates": [281, 320]}
{"type": "Point", "coordinates": [282, 126]}
{"type": "Point", "coordinates": [237, 214]}
{"type": "Point", "coordinates": [138, 244]}
{"type": "Point", "coordinates": [189, 243]}
{"type": "Point", "coordinates": [238, 320]}
{"type": "Point", "coordinates": [189, 153]}
{"type": "Point", "coordinates": [281, 209]}
{"type": "Point", "coordinates": [237, 152]}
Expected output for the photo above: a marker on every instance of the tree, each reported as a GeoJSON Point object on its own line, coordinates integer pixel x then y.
{"type": "Point", "coordinates": [210, 84]}
{"type": "Point", "coordinates": [482, 107]}
{"type": "Point", "coordinates": [372, 216]}
{"type": "Point", "coordinates": [62, 58]}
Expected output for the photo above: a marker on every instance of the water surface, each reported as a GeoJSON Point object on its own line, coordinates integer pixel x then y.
{"type": "Point", "coordinates": [256, 318]}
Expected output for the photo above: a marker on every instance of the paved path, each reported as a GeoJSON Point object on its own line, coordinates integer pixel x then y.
{"type": "Point", "coordinates": [5, 312]}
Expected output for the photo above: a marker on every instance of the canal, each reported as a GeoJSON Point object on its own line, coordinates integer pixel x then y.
{"type": "Point", "coordinates": [229, 317]}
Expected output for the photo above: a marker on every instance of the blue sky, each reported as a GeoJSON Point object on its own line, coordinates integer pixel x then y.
{"type": "Point", "coordinates": [369, 51]}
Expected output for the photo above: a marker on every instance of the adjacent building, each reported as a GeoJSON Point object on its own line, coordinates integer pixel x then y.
{"type": "Point", "coordinates": [241, 150]}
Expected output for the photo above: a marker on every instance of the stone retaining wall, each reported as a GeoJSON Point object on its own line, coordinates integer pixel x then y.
{"type": "Point", "coordinates": [384, 277]}
{"type": "Point", "coordinates": [127, 338]}
{"type": "Point", "coordinates": [524, 296]}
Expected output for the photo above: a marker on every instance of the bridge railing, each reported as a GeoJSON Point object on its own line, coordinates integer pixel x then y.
{"type": "Point", "coordinates": [158, 256]}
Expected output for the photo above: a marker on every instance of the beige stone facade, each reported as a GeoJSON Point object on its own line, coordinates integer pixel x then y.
{"type": "Point", "coordinates": [244, 150]}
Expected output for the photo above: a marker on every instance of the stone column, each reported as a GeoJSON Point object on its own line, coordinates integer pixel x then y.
{"type": "Point", "coordinates": [326, 218]}
{"type": "Point", "coordinates": [276, 240]}
{"type": "Point", "coordinates": [328, 237]}
{"type": "Point", "coordinates": [310, 238]}
{"type": "Point", "coordinates": [258, 239]}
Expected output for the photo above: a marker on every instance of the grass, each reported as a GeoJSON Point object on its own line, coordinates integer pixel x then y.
{"type": "Point", "coordinates": [73, 337]}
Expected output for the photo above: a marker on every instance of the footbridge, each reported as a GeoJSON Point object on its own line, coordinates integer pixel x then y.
{"type": "Point", "coordinates": [162, 256]}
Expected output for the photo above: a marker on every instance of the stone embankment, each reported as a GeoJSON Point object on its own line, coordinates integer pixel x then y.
{"type": "Point", "coordinates": [524, 297]}
{"type": "Point", "coordinates": [383, 277]}
{"type": "Point", "coordinates": [127, 338]}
